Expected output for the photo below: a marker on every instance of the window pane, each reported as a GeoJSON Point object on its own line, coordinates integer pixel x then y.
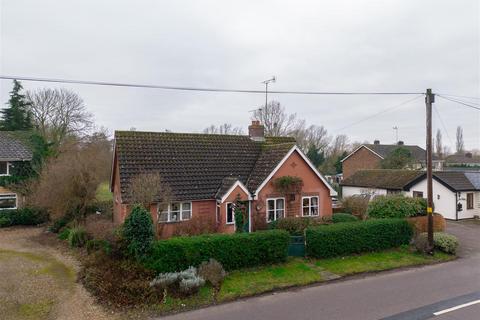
{"type": "Point", "coordinates": [271, 205]}
{"type": "Point", "coordinates": [306, 202]}
{"type": "Point", "coordinates": [186, 215]}
{"type": "Point", "coordinates": [271, 215]}
{"type": "Point", "coordinates": [8, 202]}
{"type": "Point", "coordinates": [175, 216]}
{"type": "Point", "coordinates": [306, 211]}
{"type": "Point", "coordinates": [163, 216]}
{"type": "Point", "coordinates": [314, 211]}
{"type": "Point", "coordinates": [314, 201]}
{"type": "Point", "coordinates": [175, 207]}
{"type": "Point", "coordinates": [3, 167]}
{"type": "Point", "coordinates": [280, 203]}
{"type": "Point", "coordinates": [229, 213]}
{"type": "Point", "coordinates": [186, 206]}
{"type": "Point", "coordinates": [279, 214]}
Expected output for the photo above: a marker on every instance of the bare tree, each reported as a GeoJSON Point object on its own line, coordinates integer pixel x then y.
{"type": "Point", "coordinates": [58, 113]}
{"type": "Point", "coordinates": [438, 143]}
{"type": "Point", "coordinates": [459, 145]}
{"type": "Point", "coordinates": [226, 128]}
{"type": "Point", "coordinates": [68, 183]}
{"type": "Point", "coordinates": [276, 121]}
{"type": "Point", "coordinates": [148, 188]}
{"type": "Point", "coordinates": [314, 136]}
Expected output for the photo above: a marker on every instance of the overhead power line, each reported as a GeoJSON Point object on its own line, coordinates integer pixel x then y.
{"type": "Point", "coordinates": [460, 102]}
{"type": "Point", "coordinates": [454, 95]}
{"type": "Point", "coordinates": [379, 113]}
{"type": "Point", "coordinates": [443, 124]}
{"type": "Point", "coordinates": [182, 88]}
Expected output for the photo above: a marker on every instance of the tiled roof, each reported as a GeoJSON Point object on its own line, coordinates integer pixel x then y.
{"type": "Point", "coordinates": [382, 178]}
{"type": "Point", "coordinates": [385, 149]}
{"type": "Point", "coordinates": [462, 159]}
{"type": "Point", "coordinates": [457, 180]}
{"type": "Point", "coordinates": [14, 146]}
{"type": "Point", "coordinates": [474, 178]}
{"type": "Point", "coordinates": [195, 165]}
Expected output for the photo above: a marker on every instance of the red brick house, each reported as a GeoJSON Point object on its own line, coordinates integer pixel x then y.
{"type": "Point", "coordinates": [209, 172]}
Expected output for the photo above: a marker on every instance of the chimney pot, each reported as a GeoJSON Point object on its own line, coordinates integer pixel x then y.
{"type": "Point", "coordinates": [376, 142]}
{"type": "Point", "coordinates": [256, 131]}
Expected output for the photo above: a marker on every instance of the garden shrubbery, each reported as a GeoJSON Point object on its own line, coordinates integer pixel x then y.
{"type": "Point", "coordinates": [343, 217]}
{"type": "Point", "coordinates": [356, 205]}
{"type": "Point", "coordinates": [233, 251]}
{"type": "Point", "coordinates": [138, 232]}
{"type": "Point", "coordinates": [445, 242]}
{"type": "Point", "coordinates": [294, 226]}
{"type": "Point", "coordinates": [77, 237]}
{"type": "Point", "coordinates": [24, 216]}
{"type": "Point", "coordinates": [396, 206]}
{"type": "Point", "coordinates": [356, 237]}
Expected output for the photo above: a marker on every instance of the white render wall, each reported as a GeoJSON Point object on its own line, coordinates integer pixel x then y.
{"type": "Point", "coordinates": [350, 191]}
{"type": "Point", "coordinates": [443, 198]}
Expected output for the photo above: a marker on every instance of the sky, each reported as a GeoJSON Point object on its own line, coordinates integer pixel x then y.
{"type": "Point", "coordinates": [370, 45]}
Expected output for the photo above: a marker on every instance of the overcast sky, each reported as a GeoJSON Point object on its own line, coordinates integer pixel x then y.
{"type": "Point", "coordinates": [309, 45]}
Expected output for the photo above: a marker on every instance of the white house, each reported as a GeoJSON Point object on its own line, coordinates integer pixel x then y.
{"type": "Point", "coordinates": [456, 194]}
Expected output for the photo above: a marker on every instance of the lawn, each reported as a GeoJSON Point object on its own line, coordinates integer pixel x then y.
{"type": "Point", "coordinates": [378, 261]}
{"type": "Point", "coordinates": [103, 192]}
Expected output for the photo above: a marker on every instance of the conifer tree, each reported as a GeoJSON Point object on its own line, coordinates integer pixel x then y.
{"type": "Point", "coordinates": [16, 116]}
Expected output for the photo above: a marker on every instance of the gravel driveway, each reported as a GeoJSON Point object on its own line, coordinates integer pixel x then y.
{"type": "Point", "coordinates": [38, 280]}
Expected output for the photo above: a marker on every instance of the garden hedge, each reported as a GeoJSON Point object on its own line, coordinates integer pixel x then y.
{"type": "Point", "coordinates": [23, 216]}
{"type": "Point", "coordinates": [356, 237]}
{"type": "Point", "coordinates": [233, 251]}
{"type": "Point", "coordinates": [396, 206]}
{"type": "Point", "coordinates": [343, 217]}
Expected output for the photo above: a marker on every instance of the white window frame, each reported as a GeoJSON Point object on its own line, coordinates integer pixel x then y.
{"type": "Point", "coordinates": [310, 206]}
{"type": "Point", "coordinates": [275, 208]}
{"type": "Point", "coordinates": [10, 195]}
{"type": "Point", "coordinates": [226, 213]}
{"type": "Point", "coordinates": [8, 170]}
{"type": "Point", "coordinates": [169, 212]}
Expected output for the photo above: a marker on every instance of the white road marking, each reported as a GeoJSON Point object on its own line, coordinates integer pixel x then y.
{"type": "Point", "coordinates": [456, 308]}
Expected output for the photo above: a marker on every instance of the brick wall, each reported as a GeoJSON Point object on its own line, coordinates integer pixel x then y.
{"type": "Point", "coordinates": [361, 159]}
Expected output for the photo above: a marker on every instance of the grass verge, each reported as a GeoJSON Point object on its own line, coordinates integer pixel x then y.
{"type": "Point", "coordinates": [103, 192]}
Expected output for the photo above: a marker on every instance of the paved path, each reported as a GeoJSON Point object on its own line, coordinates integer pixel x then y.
{"type": "Point", "coordinates": [378, 296]}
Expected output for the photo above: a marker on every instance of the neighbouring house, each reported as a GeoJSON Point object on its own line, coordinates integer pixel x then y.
{"type": "Point", "coordinates": [456, 194]}
{"type": "Point", "coordinates": [14, 152]}
{"type": "Point", "coordinates": [463, 162]}
{"type": "Point", "coordinates": [369, 156]}
{"type": "Point", "coordinates": [209, 174]}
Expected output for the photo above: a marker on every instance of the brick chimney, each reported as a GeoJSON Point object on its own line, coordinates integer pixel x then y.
{"type": "Point", "coordinates": [400, 143]}
{"type": "Point", "coordinates": [376, 142]}
{"type": "Point", "coordinates": [256, 131]}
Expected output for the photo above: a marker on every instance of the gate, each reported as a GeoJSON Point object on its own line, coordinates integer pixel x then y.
{"type": "Point", "coordinates": [297, 246]}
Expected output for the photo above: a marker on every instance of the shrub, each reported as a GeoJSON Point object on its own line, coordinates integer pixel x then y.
{"type": "Point", "coordinates": [356, 205]}
{"type": "Point", "coordinates": [182, 283]}
{"type": "Point", "coordinates": [24, 216]}
{"type": "Point", "coordinates": [421, 243]}
{"type": "Point", "coordinates": [138, 232]}
{"type": "Point", "coordinates": [420, 224]}
{"type": "Point", "coordinates": [77, 237]}
{"type": "Point", "coordinates": [63, 235]}
{"type": "Point", "coordinates": [356, 237]}
{"type": "Point", "coordinates": [118, 282]}
{"type": "Point", "coordinates": [445, 242]}
{"type": "Point", "coordinates": [396, 206]}
{"type": "Point", "coordinates": [294, 226]}
{"type": "Point", "coordinates": [233, 251]}
{"type": "Point", "coordinates": [195, 227]}
{"type": "Point", "coordinates": [60, 223]}
{"type": "Point", "coordinates": [96, 244]}
{"type": "Point", "coordinates": [343, 217]}
{"type": "Point", "coordinates": [212, 271]}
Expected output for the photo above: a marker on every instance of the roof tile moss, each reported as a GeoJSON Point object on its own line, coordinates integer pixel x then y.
{"type": "Point", "coordinates": [382, 178]}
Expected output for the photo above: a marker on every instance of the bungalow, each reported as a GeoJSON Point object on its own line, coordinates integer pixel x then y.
{"type": "Point", "coordinates": [13, 152]}
{"type": "Point", "coordinates": [456, 194]}
{"type": "Point", "coordinates": [369, 156]}
{"type": "Point", "coordinates": [208, 173]}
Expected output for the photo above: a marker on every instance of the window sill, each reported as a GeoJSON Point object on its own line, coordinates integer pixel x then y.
{"type": "Point", "coordinates": [172, 222]}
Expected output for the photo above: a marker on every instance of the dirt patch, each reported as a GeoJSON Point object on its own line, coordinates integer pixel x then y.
{"type": "Point", "coordinates": [39, 279]}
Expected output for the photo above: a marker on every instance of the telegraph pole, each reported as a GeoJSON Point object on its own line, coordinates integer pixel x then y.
{"type": "Point", "coordinates": [429, 99]}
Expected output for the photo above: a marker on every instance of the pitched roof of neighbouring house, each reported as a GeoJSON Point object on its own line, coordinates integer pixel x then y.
{"type": "Point", "coordinates": [14, 146]}
{"type": "Point", "coordinates": [197, 166]}
{"type": "Point", "coordinates": [382, 178]}
{"type": "Point", "coordinates": [474, 178]}
{"type": "Point", "coordinates": [462, 159]}
{"type": "Point", "coordinates": [456, 180]}
{"type": "Point", "coordinates": [383, 150]}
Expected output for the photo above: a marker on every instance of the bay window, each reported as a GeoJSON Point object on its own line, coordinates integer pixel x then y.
{"type": "Point", "coordinates": [310, 206]}
{"type": "Point", "coordinates": [176, 211]}
{"type": "Point", "coordinates": [275, 209]}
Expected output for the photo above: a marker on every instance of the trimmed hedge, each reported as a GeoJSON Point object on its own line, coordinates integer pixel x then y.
{"type": "Point", "coordinates": [357, 237]}
{"type": "Point", "coordinates": [396, 206]}
{"type": "Point", "coordinates": [233, 251]}
{"type": "Point", "coordinates": [343, 217]}
{"type": "Point", "coordinates": [23, 216]}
